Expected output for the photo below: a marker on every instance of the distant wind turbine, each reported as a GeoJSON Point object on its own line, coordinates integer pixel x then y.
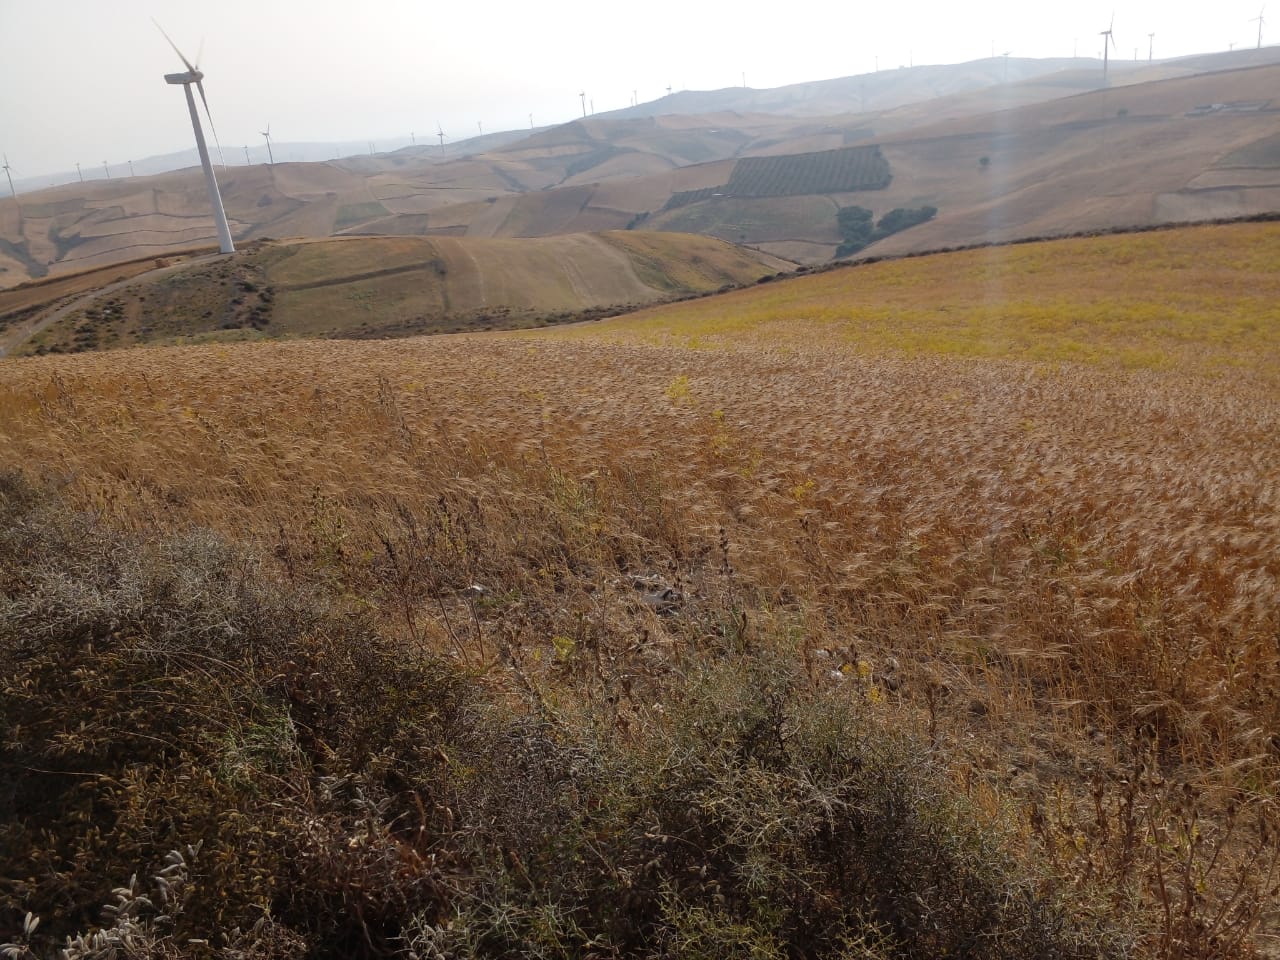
{"type": "Point", "coordinates": [247, 161]}
{"type": "Point", "coordinates": [271, 157]}
{"type": "Point", "coordinates": [1151, 46]}
{"type": "Point", "coordinates": [194, 76]}
{"type": "Point", "coordinates": [78, 172]}
{"type": "Point", "coordinates": [1260, 20]}
{"type": "Point", "coordinates": [1006, 64]}
{"type": "Point", "coordinates": [583, 95]}
{"type": "Point", "coordinates": [668, 90]}
{"type": "Point", "coordinates": [130, 169]}
{"type": "Point", "coordinates": [480, 127]}
{"type": "Point", "coordinates": [1108, 42]}
{"type": "Point", "coordinates": [8, 174]}
{"type": "Point", "coordinates": [531, 121]}
{"type": "Point", "coordinates": [106, 168]}
{"type": "Point", "coordinates": [440, 134]}
{"type": "Point", "coordinates": [413, 138]}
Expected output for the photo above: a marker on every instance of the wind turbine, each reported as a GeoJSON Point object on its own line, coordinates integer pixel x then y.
{"type": "Point", "coordinates": [107, 169]}
{"type": "Point", "coordinates": [271, 157]}
{"type": "Point", "coordinates": [1006, 64]}
{"type": "Point", "coordinates": [79, 172]}
{"type": "Point", "coordinates": [1107, 43]}
{"type": "Point", "coordinates": [583, 95]}
{"type": "Point", "coordinates": [440, 134]}
{"type": "Point", "coordinates": [1151, 46]}
{"type": "Point", "coordinates": [8, 168]}
{"type": "Point", "coordinates": [130, 169]}
{"type": "Point", "coordinates": [194, 76]}
{"type": "Point", "coordinates": [247, 161]}
{"type": "Point", "coordinates": [1261, 20]}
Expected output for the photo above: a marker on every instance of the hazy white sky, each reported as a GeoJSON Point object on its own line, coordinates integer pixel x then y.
{"type": "Point", "coordinates": [82, 80]}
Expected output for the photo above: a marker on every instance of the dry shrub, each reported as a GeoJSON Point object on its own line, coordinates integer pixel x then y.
{"type": "Point", "coordinates": [291, 780]}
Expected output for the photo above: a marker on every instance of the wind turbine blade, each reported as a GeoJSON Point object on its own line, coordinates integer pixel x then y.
{"type": "Point", "coordinates": [200, 52]}
{"type": "Point", "coordinates": [174, 45]}
{"type": "Point", "coordinates": [212, 128]}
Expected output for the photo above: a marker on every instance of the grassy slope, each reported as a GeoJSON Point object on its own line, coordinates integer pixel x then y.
{"type": "Point", "coordinates": [1052, 557]}
{"type": "Point", "coordinates": [394, 286]}
{"type": "Point", "coordinates": [1200, 298]}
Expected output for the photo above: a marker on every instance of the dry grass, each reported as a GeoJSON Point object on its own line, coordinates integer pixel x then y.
{"type": "Point", "coordinates": [1065, 576]}
{"type": "Point", "coordinates": [1198, 300]}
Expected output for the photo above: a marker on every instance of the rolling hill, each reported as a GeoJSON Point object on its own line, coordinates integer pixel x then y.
{"type": "Point", "coordinates": [374, 287]}
{"type": "Point", "coordinates": [1047, 152]}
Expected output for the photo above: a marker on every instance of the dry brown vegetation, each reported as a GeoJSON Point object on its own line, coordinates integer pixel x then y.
{"type": "Point", "coordinates": [1062, 578]}
{"type": "Point", "coordinates": [371, 287]}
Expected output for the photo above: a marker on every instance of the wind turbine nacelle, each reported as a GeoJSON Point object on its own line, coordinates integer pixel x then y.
{"type": "Point", "coordinates": [193, 76]}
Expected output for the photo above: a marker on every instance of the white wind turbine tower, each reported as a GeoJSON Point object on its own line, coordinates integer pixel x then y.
{"type": "Point", "coordinates": [1260, 20]}
{"type": "Point", "coordinates": [7, 173]}
{"type": "Point", "coordinates": [271, 158]}
{"type": "Point", "coordinates": [1108, 42]}
{"type": "Point", "coordinates": [194, 76]}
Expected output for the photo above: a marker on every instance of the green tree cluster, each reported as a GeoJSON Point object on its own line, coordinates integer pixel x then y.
{"type": "Point", "coordinates": [858, 228]}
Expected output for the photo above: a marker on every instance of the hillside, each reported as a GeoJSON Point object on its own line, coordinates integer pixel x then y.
{"type": "Point", "coordinates": [377, 287]}
{"type": "Point", "coordinates": [1049, 151]}
{"type": "Point", "coordinates": [926, 606]}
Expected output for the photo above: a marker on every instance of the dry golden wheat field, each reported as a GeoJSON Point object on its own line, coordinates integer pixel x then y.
{"type": "Point", "coordinates": [1024, 502]}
